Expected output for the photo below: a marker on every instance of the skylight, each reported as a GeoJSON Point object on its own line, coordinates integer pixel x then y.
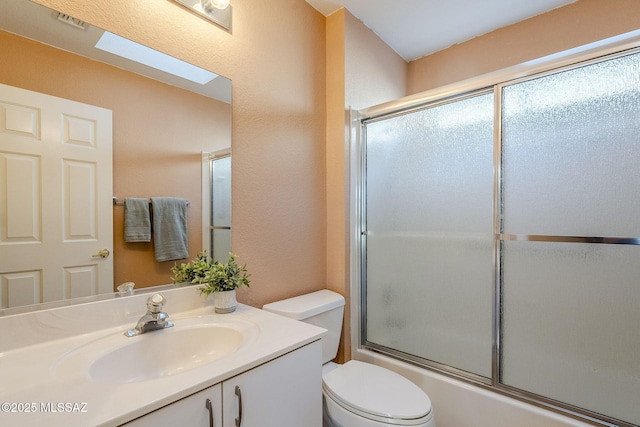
{"type": "Point", "coordinates": [152, 58]}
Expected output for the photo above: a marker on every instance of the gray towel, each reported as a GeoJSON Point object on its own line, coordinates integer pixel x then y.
{"type": "Point", "coordinates": [137, 222]}
{"type": "Point", "coordinates": [170, 228]}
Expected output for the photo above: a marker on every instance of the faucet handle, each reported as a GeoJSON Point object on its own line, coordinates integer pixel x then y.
{"type": "Point", "coordinates": [155, 303]}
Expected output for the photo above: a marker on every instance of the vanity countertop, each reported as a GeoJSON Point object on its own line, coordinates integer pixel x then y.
{"type": "Point", "coordinates": [33, 391]}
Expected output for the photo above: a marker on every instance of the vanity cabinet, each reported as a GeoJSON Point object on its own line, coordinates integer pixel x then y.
{"type": "Point", "coordinates": [283, 392]}
{"type": "Point", "coordinates": [203, 409]}
{"type": "Point", "coordinates": [286, 392]}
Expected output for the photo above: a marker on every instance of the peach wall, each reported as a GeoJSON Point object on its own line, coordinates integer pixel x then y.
{"type": "Point", "coordinates": [276, 60]}
{"type": "Point", "coordinates": [361, 70]}
{"type": "Point", "coordinates": [576, 24]}
{"type": "Point", "coordinates": [337, 278]}
{"type": "Point", "coordinates": [159, 132]}
{"type": "Point", "coordinates": [335, 154]}
{"type": "Point", "coordinates": [374, 72]}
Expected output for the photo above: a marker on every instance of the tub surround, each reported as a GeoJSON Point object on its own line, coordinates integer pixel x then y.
{"type": "Point", "coordinates": [32, 345]}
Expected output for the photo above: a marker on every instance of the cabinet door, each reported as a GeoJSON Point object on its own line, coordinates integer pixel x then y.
{"type": "Point", "coordinates": [192, 411]}
{"type": "Point", "coordinates": [286, 392]}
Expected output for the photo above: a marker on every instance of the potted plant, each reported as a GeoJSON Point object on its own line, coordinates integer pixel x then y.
{"type": "Point", "coordinates": [218, 279]}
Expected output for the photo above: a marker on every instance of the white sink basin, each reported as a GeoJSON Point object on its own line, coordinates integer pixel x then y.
{"type": "Point", "coordinates": [191, 343]}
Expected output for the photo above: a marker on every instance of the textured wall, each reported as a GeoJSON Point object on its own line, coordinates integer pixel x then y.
{"type": "Point", "coordinates": [374, 72]}
{"type": "Point", "coordinates": [361, 71]}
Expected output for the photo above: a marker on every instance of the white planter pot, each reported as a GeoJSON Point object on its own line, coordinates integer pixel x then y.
{"type": "Point", "coordinates": [225, 301]}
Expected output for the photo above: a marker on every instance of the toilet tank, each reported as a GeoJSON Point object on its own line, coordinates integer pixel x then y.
{"type": "Point", "coordinates": [322, 308]}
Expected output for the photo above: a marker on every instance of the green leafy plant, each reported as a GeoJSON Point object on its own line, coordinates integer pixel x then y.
{"type": "Point", "coordinates": [214, 276]}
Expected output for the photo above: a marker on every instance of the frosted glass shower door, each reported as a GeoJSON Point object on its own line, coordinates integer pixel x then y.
{"type": "Point", "coordinates": [571, 294]}
{"type": "Point", "coordinates": [220, 227]}
{"type": "Point", "coordinates": [429, 233]}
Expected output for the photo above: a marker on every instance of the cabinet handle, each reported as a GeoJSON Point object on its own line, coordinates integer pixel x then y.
{"type": "Point", "coordinates": [239, 419]}
{"type": "Point", "coordinates": [210, 409]}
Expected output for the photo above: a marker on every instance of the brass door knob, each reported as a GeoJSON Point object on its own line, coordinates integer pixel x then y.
{"type": "Point", "coordinates": [103, 253]}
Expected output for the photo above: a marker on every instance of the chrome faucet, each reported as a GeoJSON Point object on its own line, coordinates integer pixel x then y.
{"type": "Point", "coordinates": [155, 318]}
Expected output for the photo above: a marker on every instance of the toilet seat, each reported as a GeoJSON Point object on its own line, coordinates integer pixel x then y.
{"type": "Point", "coordinates": [377, 394]}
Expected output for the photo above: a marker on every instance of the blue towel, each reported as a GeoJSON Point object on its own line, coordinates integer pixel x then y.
{"type": "Point", "coordinates": [137, 222]}
{"type": "Point", "coordinates": [170, 228]}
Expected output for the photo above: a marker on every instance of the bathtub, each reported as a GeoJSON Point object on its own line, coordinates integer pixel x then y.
{"type": "Point", "coordinates": [459, 404]}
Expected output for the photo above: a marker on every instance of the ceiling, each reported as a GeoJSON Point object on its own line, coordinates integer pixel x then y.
{"type": "Point", "coordinates": [416, 28]}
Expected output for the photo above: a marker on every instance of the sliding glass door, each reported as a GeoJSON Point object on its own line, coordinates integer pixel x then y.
{"type": "Point", "coordinates": [571, 219]}
{"type": "Point", "coordinates": [429, 233]}
{"type": "Point", "coordinates": [501, 237]}
{"type": "Point", "coordinates": [220, 219]}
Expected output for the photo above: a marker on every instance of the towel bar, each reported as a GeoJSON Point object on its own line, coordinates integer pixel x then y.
{"type": "Point", "coordinates": [118, 202]}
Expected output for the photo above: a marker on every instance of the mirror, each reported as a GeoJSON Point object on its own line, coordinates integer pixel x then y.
{"type": "Point", "coordinates": [161, 123]}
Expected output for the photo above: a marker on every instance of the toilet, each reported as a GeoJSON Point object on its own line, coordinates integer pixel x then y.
{"type": "Point", "coordinates": [355, 394]}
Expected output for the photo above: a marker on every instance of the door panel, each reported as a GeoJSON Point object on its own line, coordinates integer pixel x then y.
{"type": "Point", "coordinates": [56, 209]}
{"type": "Point", "coordinates": [22, 175]}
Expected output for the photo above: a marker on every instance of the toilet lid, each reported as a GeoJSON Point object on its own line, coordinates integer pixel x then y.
{"type": "Point", "coordinates": [376, 391]}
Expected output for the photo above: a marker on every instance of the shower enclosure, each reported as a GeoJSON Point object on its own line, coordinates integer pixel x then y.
{"type": "Point", "coordinates": [220, 207]}
{"type": "Point", "coordinates": [499, 233]}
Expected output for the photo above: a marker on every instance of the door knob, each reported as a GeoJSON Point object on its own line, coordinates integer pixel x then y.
{"type": "Point", "coordinates": [102, 253]}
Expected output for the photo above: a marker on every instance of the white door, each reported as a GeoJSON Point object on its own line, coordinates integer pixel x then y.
{"type": "Point", "coordinates": [56, 208]}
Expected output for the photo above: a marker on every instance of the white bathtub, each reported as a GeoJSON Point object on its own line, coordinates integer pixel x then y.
{"type": "Point", "coordinates": [458, 404]}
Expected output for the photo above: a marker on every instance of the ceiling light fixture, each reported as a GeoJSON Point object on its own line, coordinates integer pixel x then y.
{"type": "Point", "coordinates": [217, 11]}
{"type": "Point", "coordinates": [207, 5]}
